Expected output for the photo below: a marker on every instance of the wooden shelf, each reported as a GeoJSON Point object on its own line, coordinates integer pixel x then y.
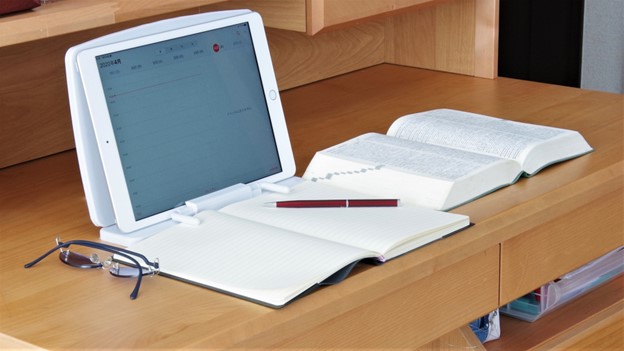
{"type": "Point", "coordinates": [316, 16]}
{"type": "Point", "coordinates": [592, 321]}
{"type": "Point", "coordinates": [68, 16]}
{"type": "Point", "coordinates": [59, 17]}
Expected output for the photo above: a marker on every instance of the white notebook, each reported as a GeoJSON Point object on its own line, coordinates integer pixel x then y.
{"type": "Point", "coordinates": [273, 255]}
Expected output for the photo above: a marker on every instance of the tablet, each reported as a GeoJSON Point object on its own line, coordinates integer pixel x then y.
{"type": "Point", "coordinates": [183, 110]}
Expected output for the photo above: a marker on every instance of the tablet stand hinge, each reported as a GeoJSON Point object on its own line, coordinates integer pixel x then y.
{"type": "Point", "coordinates": [218, 199]}
{"type": "Point", "coordinates": [186, 213]}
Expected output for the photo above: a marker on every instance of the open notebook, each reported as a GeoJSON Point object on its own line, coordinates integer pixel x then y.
{"type": "Point", "coordinates": [274, 255]}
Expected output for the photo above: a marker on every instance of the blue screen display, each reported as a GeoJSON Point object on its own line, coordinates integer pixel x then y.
{"type": "Point", "coordinates": [189, 117]}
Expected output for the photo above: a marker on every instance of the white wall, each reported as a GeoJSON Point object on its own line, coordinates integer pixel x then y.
{"type": "Point", "coordinates": [602, 65]}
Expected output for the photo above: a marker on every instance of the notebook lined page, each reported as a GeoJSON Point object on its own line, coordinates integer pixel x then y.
{"type": "Point", "coordinates": [378, 228]}
{"type": "Point", "coordinates": [246, 258]}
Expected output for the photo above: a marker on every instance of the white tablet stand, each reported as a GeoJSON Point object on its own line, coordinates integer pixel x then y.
{"type": "Point", "coordinates": [90, 163]}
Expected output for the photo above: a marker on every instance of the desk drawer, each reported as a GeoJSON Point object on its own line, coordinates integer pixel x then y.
{"type": "Point", "coordinates": [560, 245]}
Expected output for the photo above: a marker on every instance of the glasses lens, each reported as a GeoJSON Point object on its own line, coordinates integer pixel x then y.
{"type": "Point", "coordinates": [124, 271]}
{"type": "Point", "coordinates": [77, 260]}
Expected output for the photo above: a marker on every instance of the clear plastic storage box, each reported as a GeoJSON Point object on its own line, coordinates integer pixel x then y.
{"type": "Point", "coordinates": [532, 306]}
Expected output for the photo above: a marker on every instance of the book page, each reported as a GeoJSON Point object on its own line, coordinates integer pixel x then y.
{"type": "Point", "coordinates": [379, 229]}
{"type": "Point", "coordinates": [474, 132]}
{"type": "Point", "coordinates": [412, 156]}
{"type": "Point", "coordinates": [245, 258]}
{"type": "Point", "coordinates": [417, 173]}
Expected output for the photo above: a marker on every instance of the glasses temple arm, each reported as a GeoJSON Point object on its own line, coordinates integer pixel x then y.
{"type": "Point", "coordinates": [135, 291]}
{"type": "Point", "coordinates": [37, 260]}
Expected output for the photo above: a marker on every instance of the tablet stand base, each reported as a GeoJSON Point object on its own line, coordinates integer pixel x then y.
{"type": "Point", "coordinates": [214, 201]}
{"type": "Point", "coordinates": [113, 235]}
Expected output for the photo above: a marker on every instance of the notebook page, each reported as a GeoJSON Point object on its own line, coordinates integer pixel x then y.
{"type": "Point", "coordinates": [246, 258]}
{"type": "Point", "coordinates": [377, 229]}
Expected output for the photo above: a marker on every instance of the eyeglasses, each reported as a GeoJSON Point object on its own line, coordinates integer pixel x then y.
{"type": "Point", "coordinates": [129, 269]}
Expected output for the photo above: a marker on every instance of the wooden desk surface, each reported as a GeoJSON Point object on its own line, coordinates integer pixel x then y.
{"type": "Point", "coordinates": [403, 303]}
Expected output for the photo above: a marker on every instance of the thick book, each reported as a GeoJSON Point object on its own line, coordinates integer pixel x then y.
{"type": "Point", "coordinates": [273, 255]}
{"type": "Point", "coordinates": [444, 158]}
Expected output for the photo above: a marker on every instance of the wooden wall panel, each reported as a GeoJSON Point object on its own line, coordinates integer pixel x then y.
{"type": "Point", "coordinates": [454, 51]}
{"type": "Point", "coordinates": [34, 107]}
{"type": "Point", "coordinates": [34, 110]}
{"type": "Point", "coordinates": [281, 14]}
{"type": "Point", "coordinates": [425, 39]}
{"type": "Point", "coordinates": [411, 39]}
{"type": "Point", "coordinates": [300, 59]}
{"type": "Point", "coordinates": [455, 36]}
{"type": "Point", "coordinates": [323, 14]}
{"type": "Point", "coordinates": [486, 38]}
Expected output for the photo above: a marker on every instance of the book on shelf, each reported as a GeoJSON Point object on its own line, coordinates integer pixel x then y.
{"type": "Point", "coordinates": [444, 158]}
{"type": "Point", "coordinates": [273, 255]}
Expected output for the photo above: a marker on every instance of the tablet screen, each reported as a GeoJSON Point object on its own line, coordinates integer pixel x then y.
{"type": "Point", "coordinates": [189, 116]}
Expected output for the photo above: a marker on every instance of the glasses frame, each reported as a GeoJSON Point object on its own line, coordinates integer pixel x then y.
{"type": "Point", "coordinates": [153, 268]}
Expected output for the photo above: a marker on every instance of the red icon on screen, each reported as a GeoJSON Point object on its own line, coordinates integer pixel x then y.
{"type": "Point", "coordinates": [216, 47]}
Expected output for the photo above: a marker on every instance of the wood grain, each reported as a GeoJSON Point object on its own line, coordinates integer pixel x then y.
{"type": "Point", "coordinates": [10, 343]}
{"type": "Point", "coordinates": [423, 38]}
{"type": "Point", "coordinates": [604, 330]}
{"type": "Point", "coordinates": [69, 16]}
{"type": "Point", "coordinates": [278, 14]}
{"type": "Point", "coordinates": [486, 38]}
{"type": "Point", "coordinates": [460, 339]}
{"type": "Point", "coordinates": [531, 259]}
{"type": "Point", "coordinates": [326, 14]}
{"type": "Point", "coordinates": [300, 59]}
{"type": "Point", "coordinates": [414, 305]}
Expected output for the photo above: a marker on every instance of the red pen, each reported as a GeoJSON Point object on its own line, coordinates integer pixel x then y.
{"type": "Point", "coordinates": [336, 203]}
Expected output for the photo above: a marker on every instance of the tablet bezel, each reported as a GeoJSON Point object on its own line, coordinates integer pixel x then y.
{"type": "Point", "coordinates": [105, 138]}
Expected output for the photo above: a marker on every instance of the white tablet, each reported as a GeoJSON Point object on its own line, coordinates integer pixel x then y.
{"type": "Point", "coordinates": [183, 112]}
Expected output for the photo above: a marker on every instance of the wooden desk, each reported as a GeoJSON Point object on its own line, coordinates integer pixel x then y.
{"type": "Point", "coordinates": [524, 235]}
